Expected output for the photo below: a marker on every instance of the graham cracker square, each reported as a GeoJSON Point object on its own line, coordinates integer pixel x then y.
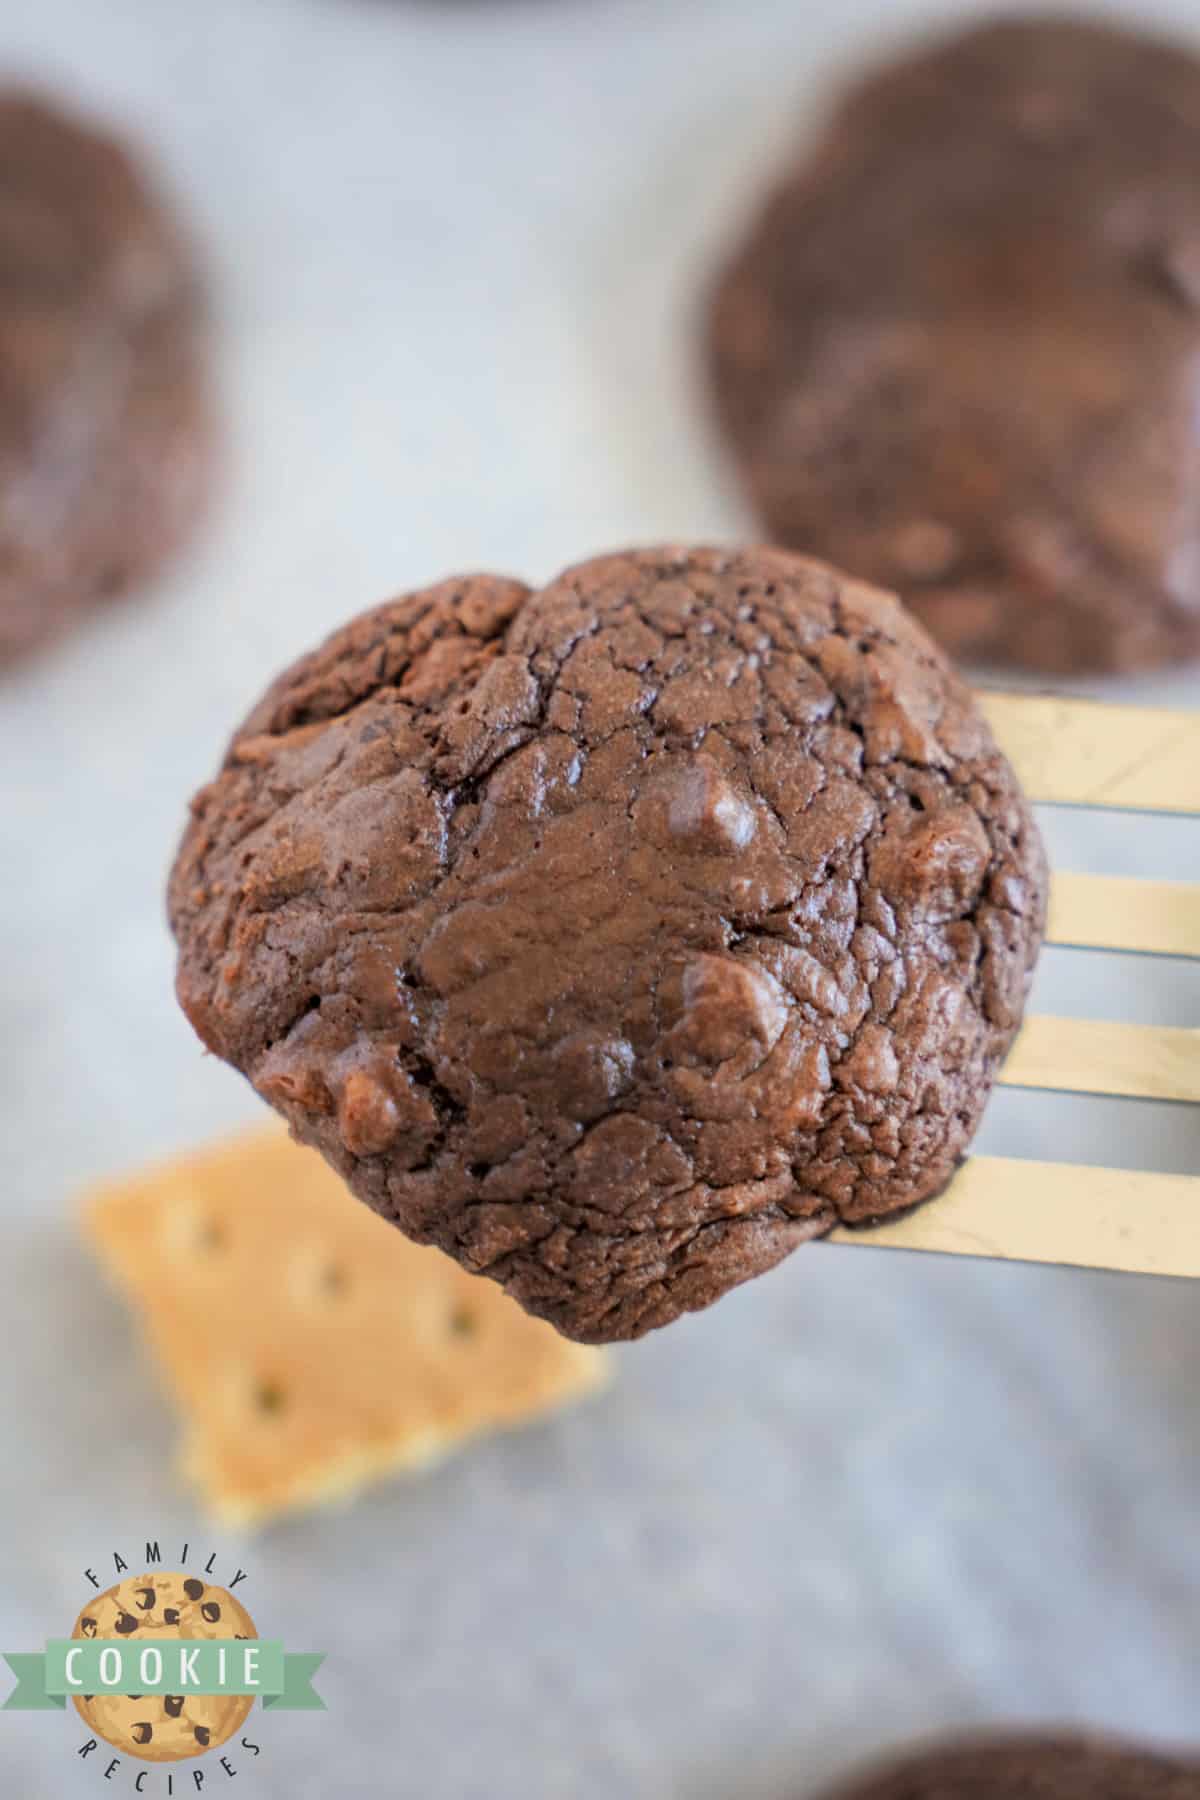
{"type": "Point", "coordinates": [311, 1347]}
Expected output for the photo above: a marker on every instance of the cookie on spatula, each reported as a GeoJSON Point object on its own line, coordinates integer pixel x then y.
{"type": "Point", "coordinates": [621, 935]}
{"type": "Point", "coordinates": [311, 1348]}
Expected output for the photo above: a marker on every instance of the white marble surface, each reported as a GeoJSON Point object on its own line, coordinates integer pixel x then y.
{"type": "Point", "coordinates": [455, 254]}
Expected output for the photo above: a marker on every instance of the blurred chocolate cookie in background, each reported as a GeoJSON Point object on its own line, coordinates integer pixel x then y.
{"type": "Point", "coordinates": [105, 428]}
{"type": "Point", "coordinates": [959, 352]}
{"type": "Point", "coordinates": [1040, 1768]}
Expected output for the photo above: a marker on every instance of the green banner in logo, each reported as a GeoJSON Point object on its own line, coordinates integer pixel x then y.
{"type": "Point", "coordinates": [30, 1694]}
{"type": "Point", "coordinates": [255, 1666]}
{"type": "Point", "coordinates": [297, 1693]}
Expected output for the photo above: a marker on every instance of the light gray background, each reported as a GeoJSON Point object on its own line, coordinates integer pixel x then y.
{"type": "Point", "coordinates": [456, 251]}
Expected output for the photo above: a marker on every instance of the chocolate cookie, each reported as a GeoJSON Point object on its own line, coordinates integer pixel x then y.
{"type": "Point", "coordinates": [620, 936]}
{"type": "Point", "coordinates": [104, 414]}
{"type": "Point", "coordinates": [164, 1608]}
{"type": "Point", "coordinates": [1067, 1768]}
{"type": "Point", "coordinates": [958, 352]}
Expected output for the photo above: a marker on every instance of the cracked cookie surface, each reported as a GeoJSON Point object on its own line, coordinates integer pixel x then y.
{"type": "Point", "coordinates": [105, 427]}
{"type": "Point", "coordinates": [619, 936]}
{"type": "Point", "coordinates": [958, 351]}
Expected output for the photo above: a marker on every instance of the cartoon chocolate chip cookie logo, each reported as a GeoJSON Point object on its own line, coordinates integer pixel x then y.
{"type": "Point", "coordinates": [163, 1667]}
{"type": "Point", "coordinates": [165, 1609]}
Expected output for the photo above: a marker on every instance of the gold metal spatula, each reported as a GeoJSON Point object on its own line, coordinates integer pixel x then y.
{"type": "Point", "coordinates": [1089, 754]}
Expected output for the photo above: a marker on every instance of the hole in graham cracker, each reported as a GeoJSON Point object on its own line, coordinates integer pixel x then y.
{"type": "Point", "coordinates": [195, 1234]}
{"type": "Point", "coordinates": [320, 1278]}
{"type": "Point", "coordinates": [332, 1281]}
{"type": "Point", "coordinates": [462, 1322]}
{"type": "Point", "coordinates": [270, 1399]}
